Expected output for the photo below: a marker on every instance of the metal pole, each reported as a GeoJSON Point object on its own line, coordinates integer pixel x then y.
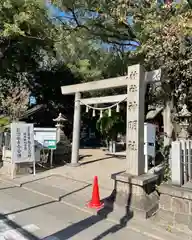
{"type": "Point", "coordinates": [76, 131]}
{"type": "Point", "coordinates": [51, 160]}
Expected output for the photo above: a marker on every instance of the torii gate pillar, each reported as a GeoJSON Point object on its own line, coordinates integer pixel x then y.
{"type": "Point", "coordinates": [76, 131]}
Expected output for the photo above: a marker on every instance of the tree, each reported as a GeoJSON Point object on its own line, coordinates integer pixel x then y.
{"type": "Point", "coordinates": [111, 126]}
{"type": "Point", "coordinates": [89, 60]}
{"type": "Point", "coordinates": [80, 55]}
{"type": "Point", "coordinates": [15, 102]}
{"type": "Point", "coordinates": [45, 86]}
{"type": "Point", "coordinates": [25, 30]}
{"type": "Point", "coordinates": [165, 33]}
{"type": "Point", "coordinates": [28, 58]}
{"type": "Point", "coordinates": [101, 20]}
{"type": "Point", "coordinates": [105, 28]}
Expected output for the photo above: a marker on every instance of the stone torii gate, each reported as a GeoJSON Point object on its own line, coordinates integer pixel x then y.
{"type": "Point", "coordinates": [135, 82]}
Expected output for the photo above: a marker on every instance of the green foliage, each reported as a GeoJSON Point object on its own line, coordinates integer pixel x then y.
{"type": "Point", "coordinates": [109, 127]}
{"type": "Point", "coordinates": [80, 56]}
{"type": "Point", "coordinates": [100, 20]}
{"type": "Point", "coordinates": [24, 18]}
{"type": "Point", "coordinates": [4, 121]}
{"type": "Point", "coordinates": [28, 57]}
{"type": "Point", "coordinates": [25, 30]}
{"type": "Point", "coordinates": [87, 26]}
{"type": "Point", "coordinates": [165, 34]}
{"type": "Point", "coordinates": [163, 152]}
{"type": "Point", "coordinates": [167, 170]}
{"type": "Point", "coordinates": [34, 49]}
{"type": "Point", "coordinates": [15, 102]}
{"type": "Point", "coordinates": [88, 60]}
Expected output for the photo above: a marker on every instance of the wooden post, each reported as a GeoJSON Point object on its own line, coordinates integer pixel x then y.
{"type": "Point", "coordinates": [135, 121]}
{"type": "Point", "coordinates": [76, 131]}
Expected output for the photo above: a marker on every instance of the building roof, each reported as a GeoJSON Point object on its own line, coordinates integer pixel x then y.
{"type": "Point", "coordinates": [31, 111]}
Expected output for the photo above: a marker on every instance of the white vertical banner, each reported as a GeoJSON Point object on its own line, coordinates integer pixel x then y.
{"type": "Point", "coordinates": [22, 143]}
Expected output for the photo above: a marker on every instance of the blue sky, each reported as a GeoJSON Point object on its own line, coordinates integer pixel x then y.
{"type": "Point", "coordinates": [56, 12]}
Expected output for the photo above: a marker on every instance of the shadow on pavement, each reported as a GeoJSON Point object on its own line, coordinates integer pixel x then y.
{"type": "Point", "coordinates": [84, 156]}
{"type": "Point", "coordinates": [123, 221]}
{"type": "Point", "coordinates": [75, 191]}
{"type": "Point", "coordinates": [49, 202]}
{"type": "Point", "coordinates": [96, 160]}
{"type": "Point", "coordinates": [11, 230]}
{"type": "Point", "coordinates": [76, 228]}
{"type": "Point", "coordinates": [34, 180]}
{"type": "Point", "coordinates": [5, 188]}
{"type": "Point", "coordinates": [29, 208]}
{"type": "Point", "coordinates": [102, 214]}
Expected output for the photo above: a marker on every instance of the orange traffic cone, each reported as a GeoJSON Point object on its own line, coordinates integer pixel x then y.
{"type": "Point", "coordinates": [95, 201]}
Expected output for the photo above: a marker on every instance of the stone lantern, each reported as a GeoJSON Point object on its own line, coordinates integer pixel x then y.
{"type": "Point", "coordinates": [62, 153]}
{"type": "Point", "coordinates": [184, 117]}
{"type": "Point", "coordinates": [59, 125]}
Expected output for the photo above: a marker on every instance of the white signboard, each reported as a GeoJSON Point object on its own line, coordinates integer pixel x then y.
{"type": "Point", "coordinates": [41, 135]}
{"type": "Point", "coordinates": [22, 143]}
{"type": "Point", "coordinates": [149, 139]}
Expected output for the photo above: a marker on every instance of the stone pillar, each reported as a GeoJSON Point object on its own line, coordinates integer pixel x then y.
{"type": "Point", "coordinates": [135, 121]}
{"type": "Point", "coordinates": [176, 165]}
{"type": "Point", "coordinates": [135, 190]}
{"type": "Point", "coordinates": [76, 131]}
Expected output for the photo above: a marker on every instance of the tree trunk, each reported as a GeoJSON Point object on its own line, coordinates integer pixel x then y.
{"type": "Point", "coordinates": [167, 121]}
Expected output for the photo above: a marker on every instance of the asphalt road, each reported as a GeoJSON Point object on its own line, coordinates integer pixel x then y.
{"type": "Point", "coordinates": [27, 215]}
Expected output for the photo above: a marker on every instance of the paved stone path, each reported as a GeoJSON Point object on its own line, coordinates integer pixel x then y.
{"type": "Point", "coordinates": [25, 215]}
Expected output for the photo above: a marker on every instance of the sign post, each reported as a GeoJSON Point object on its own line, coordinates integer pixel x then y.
{"type": "Point", "coordinates": [22, 144]}
{"type": "Point", "coordinates": [50, 144]}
